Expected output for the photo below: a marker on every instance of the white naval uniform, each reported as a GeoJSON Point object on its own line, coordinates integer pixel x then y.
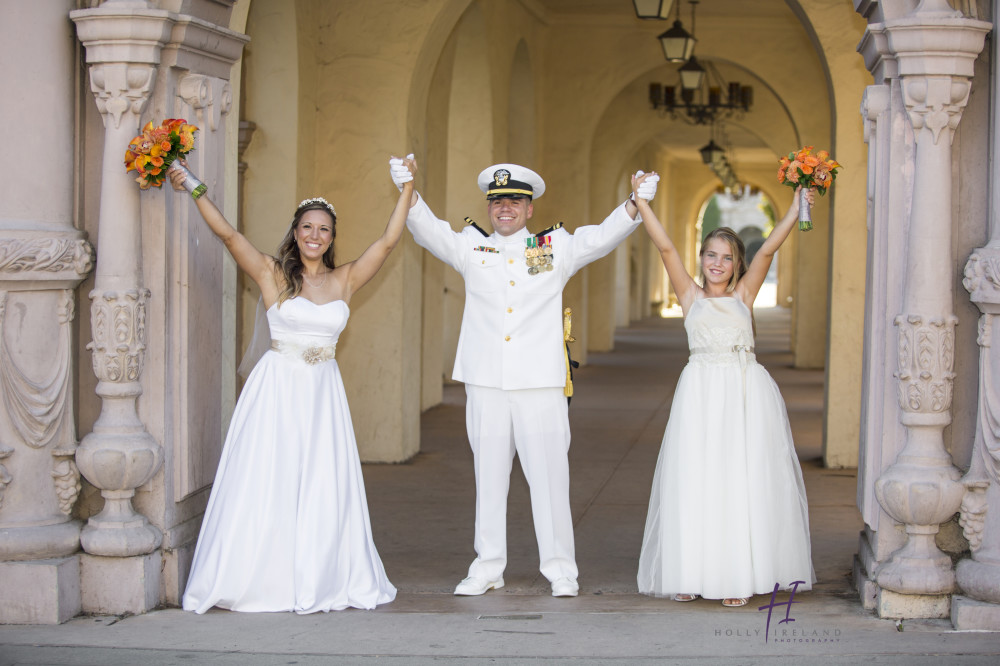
{"type": "Point", "coordinates": [510, 357]}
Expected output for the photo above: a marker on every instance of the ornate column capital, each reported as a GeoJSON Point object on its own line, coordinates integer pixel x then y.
{"type": "Point", "coordinates": [936, 48]}
{"type": "Point", "coordinates": [211, 98]}
{"type": "Point", "coordinates": [123, 42]}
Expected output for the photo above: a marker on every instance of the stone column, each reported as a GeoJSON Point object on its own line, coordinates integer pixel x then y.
{"type": "Point", "coordinates": [935, 48]}
{"type": "Point", "coordinates": [123, 41]}
{"type": "Point", "coordinates": [43, 258]}
{"type": "Point", "coordinates": [889, 136]}
{"type": "Point", "coordinates": [979, 576]}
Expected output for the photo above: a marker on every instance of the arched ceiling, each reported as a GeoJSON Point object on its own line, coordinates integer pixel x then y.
{"type": "Point", "coordinates": [761, 43]}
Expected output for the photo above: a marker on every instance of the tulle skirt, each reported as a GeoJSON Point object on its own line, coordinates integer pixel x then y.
{"type": "Point", "coordinates": [727, 511]}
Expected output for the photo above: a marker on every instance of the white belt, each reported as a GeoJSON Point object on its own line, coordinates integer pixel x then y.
{"type": "Point", "coordinates": [311, 354]}
{"type": "Point", "coordinates": [722, 349]}
{"type": "Point", "coordinates": [744, 352]}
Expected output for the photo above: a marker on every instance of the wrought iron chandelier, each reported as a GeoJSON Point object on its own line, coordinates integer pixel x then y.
{"type": "Point", "coordinates": [701, 100]}
{"type": "Point", "coordinates": [703, 96]}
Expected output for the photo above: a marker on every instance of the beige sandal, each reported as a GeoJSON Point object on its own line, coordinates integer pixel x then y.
{"type": "Point", "coordinates": [735, 602]}
{"type": "Point", "coordinates": [685, 597]}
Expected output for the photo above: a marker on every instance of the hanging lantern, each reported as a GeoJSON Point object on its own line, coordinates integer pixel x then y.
{"type": "Point", "coordinates": [653, 9]}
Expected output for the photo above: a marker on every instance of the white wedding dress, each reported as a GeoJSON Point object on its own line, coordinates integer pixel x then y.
{"type": "Point", "coordinates": [287, 527]}
{"type": "Point", "coordinates": [727, 512]}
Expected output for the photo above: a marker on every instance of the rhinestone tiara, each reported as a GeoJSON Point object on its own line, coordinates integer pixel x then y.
{"type": "Point", "coordinates": [318, 200]}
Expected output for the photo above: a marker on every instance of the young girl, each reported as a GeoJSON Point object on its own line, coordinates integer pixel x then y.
{"type": "Point", "coordinates": [287, 526]}
{"type": "Point", "coordinates": [727, 513]}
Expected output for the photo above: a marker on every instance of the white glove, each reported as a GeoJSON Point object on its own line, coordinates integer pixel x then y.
{"type": "Point", "coordinates": [647, 190]}
{"type": "Point", "coordinates": [400, 172]}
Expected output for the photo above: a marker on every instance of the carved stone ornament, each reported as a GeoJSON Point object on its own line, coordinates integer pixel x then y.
{"type": "Point", "coordinates": [37, 407]}
{"type": "Point", "coordinates": [46, 255]}
{"type": "Point", "coordinates": [5, 477]}
{"type": "Point", "coordinates": [211, 98]}
{"type": "Point", "coordinates": [66, 479]}
{"type": "Point", "coordinates": [936, 103]}
{"type": "Point", "coordinates": [926, 359]}
{"type": "Point", "coordinates": [121, 87]}
{"type": "Point", "coordinates": [972, 516]}
{"type": "Point", "coordinates": [982, 276]}
{"type": "Point", "coordinates": [118, 324]}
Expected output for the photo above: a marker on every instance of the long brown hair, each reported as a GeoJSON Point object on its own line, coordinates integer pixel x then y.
{"type": "Point", "coordinates": [739, 255]}
{"type": "Point", "coordinates": [289, 262]}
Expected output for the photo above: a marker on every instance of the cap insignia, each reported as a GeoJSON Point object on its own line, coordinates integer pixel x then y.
{"type": "Point", "coordinates": [501, 177]}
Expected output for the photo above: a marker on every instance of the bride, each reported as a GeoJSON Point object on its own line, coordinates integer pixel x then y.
{"type": "Point", "coordinates": [287, 526]}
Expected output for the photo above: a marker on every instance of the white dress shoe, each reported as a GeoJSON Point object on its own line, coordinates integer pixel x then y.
{"type": "Point", "coordinates": [473, 586]}
{"type": "Point", "coordinates": [564, 587]}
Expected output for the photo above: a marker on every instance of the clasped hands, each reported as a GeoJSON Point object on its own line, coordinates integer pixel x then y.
{"type": "Point", "coordinates": [402, 170]}
{"type": "Point", "coordinates": [644, 184]}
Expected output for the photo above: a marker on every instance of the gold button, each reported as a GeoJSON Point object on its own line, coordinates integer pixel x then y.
{"type": "Point", "coordinates": [509, 310]}
{"type": "Point", "coordinates": [507, 338]}
{"type": "Point", "coordinates": [484, 262]}
{"type": "Point", "coordinates": [512, 283]}
{"type": "Point", "coordinates": [510, 261]}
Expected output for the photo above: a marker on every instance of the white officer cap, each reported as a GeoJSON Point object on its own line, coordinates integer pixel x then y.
{"type": "Point", "coordinates": [510, 180]}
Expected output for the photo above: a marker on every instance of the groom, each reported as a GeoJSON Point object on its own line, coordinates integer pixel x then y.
{"type": "Point", "coordinates": [510, 357]}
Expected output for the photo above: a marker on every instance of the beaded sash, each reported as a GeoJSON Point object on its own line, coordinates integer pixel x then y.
{"type": "Point", "coordinates": [311, 354]}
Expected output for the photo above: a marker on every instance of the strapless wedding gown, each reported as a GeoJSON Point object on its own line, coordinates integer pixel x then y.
{"type": "Point", "coordinates": [287, 526]}
{"type": "Point", "coordinates": [727, 512]}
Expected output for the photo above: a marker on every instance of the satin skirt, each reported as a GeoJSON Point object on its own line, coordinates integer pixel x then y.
{"type": "Point", "coordinates": [287, 525]}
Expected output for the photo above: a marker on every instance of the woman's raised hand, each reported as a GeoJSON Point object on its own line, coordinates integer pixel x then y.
{"type": "Point", "coordinates": [177, 176]}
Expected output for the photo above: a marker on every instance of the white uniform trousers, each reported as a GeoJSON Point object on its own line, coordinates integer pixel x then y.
{"type": "Point", "coordinates": [535, 423]}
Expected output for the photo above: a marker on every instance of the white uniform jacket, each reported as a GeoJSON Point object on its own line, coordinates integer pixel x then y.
{"type": "Point", "coordinates": [512, 331]}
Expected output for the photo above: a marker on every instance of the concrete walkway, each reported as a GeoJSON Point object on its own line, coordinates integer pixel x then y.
{"type": "Point", "coordinates": [422, 514]}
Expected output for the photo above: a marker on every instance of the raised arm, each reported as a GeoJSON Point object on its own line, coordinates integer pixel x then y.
{"type": "Point", "coordinates": [752, 280]}
{"type": "Point", "coordinates": [364, 268]}
{"type": "Point", "coordinates": [255, 263]}
{"type": "Point", "coordinates": [684, 285]}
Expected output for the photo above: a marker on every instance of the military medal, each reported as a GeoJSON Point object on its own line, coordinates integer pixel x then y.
{"type": "Point", "coordinates": [531, 252]}
{"type": "Point", "coordinates": [538, 254]}
{"type": "Point", "coordinates": [546, 253]}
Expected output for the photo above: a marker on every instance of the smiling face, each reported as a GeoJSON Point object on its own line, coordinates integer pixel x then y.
{"type": "Point", "coordinates": [717, 263]}
{"type": "Point", "coordinates": [509, 216]}
{"type": "Point", "coordinates": [314, 234]}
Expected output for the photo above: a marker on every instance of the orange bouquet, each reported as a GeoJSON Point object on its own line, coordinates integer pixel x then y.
{"type": "Point", "coordinates": [810, 171]}
{"type": "Point", "coordinates": [155, 150]}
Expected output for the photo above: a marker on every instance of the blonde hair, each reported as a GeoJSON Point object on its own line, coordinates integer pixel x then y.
{"type": "Point", "coordinates": [739, 255]}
